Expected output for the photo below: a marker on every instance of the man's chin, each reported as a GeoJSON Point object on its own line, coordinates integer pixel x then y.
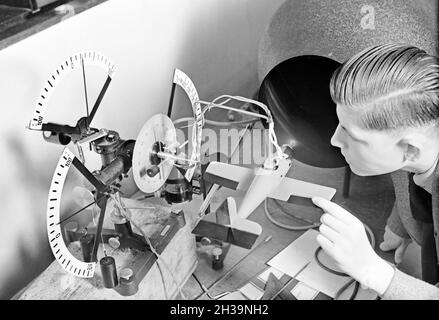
{"type": "Point", "coordinates": [365, 173]}
{"type": "Point", "coordinates": [360, 172]}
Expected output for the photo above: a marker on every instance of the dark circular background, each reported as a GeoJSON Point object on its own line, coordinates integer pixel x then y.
{"type": "Point", "coordinates": [297, 93]}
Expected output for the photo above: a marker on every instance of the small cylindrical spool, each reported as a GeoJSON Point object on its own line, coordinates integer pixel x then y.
{"type": "Point", "coordinates": [87, 242]}
{"type": "Point", "coordinates": [108, 270]}
{"type": "Point", "coordinates": [128, 284]}
{"type": "Point", "coordinates": [217, 259]}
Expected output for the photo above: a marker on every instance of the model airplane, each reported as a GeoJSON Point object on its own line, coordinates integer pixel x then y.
{"type": "Point", "coordinates": [269, 180]}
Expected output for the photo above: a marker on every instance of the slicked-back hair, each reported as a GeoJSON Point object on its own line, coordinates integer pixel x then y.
{"type": "Point", "coordinates": [389, 87]}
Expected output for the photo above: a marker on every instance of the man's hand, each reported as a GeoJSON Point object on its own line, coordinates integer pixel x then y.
{"type": "Point", "coordinates": [343, 237]}
{"type": "Point", "coordinates": [394, 242]}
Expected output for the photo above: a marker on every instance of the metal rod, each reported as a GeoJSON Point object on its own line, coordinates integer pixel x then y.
{"type": "Point", "coordinates": [99, 99]}
{"type": "Point", "coordinates": [289, 282]}
{"type": "Point", "coordinates": [171, 99]}
{"type": "Point", "coordinates": [102, 205]}
{"type": "Point", "coordinates": [207, 201]}
{"type": "Point", "coordinates": [165, 155]}
{"type": "Point", "coordinates": [85, 91]}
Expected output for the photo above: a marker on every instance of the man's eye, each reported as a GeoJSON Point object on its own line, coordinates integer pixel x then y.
{"type": "Point", "coordinates": [344, 129]}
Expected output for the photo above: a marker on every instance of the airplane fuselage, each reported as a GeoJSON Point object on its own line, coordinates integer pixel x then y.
{"type": "Point", "coordinates": [263, 184]}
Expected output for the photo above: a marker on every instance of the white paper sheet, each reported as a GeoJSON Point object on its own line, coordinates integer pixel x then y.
{"type": "Point", "coordinates": [251, 291]}
{"type": "Point", "coordinates": [264, 275]}
{"type": "Point", "coordinates": [318, 278]}
{"type": "Point", "coordinates": [304, 292]}
{"type": "Point", "coordinates": [297, 254]}
{"type": "Point", "coordinates": [235, 295]}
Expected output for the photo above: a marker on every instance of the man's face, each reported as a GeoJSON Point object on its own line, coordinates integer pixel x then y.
{"type": "Point", "coordinates": [368, 152]}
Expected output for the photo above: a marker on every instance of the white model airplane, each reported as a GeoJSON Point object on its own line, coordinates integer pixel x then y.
{"type": "Point", "coordinates": [267, 181]}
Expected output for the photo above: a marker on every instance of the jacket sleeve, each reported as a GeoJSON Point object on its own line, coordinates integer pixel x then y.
{"type": "Point", "coordinates": [405, 287]}
{"type": "Point", "coordinates": [395, 224]}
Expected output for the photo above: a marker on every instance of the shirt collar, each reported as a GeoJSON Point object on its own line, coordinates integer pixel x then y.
{"type": "Point", "coordinates": [425, 179]}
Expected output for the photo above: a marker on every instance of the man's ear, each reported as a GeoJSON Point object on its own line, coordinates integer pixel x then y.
{"type": "Point", "coordinates": [411, 149]}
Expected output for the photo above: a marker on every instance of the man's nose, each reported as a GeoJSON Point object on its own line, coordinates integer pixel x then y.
{"type": "Point", "coordinates": [336, 140]}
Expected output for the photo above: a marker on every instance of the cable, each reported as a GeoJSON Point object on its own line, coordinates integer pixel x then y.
{"type": "Point", "coordinates": [316, 253]}
{"type": "Point", "coordinates": [216, 123]}
{"type": "Point", "coordinates": [342, 274]}
{"type": "Point", "coordinates": [285, 226]}
{"type": "Point", "coordinates": [345, 287]}
{"type": "Point", "coordinates": [268, 117]}
{"type": "Point", "coordinates": [206, 291]}
{"type": "Point", "coordinates": [321, 265]}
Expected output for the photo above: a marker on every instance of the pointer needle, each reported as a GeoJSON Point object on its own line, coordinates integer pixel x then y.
{"type": "Point", "coordinates": [85, 91]}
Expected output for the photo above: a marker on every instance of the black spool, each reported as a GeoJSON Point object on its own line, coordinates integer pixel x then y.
{"type": "Point", "coordinates": [128, 284]}
{"type": "Point", "coordinates": [86, 242]}
{"type": "Point", "coordinates": [108, 270]}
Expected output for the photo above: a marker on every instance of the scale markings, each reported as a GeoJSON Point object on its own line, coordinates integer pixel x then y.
{"type": "Point", "coordinates": [54, 199]}
{"type": "Point", "coordinates": [54, 246]}
{"type": "Point", "coordinates": [59, 174]}
{"type": "Point", "coordinates": [51, 208]}
{"type": "Point", "coordinates": [56, 182]}
{"type": "Point", "coordinates": [45, 89]}
{"type": "Point", "coordinates": [67, 263]}
{"type": "Point", "coordinates": [50, 217]}
{"type": "Point", "coordinates": [53, 77]}
{"type": "Point", "coordinates": [51, 224]}
{"type": "Point", "coordinates": [52, 231]}
{"type": "Point", "coordinates": [49, 83]}
{"type": "Point", "coordinates": [63, 261]}
{"type": "Point", "coordinates": [43, 97]}
{"type": "Point", "coordinates": [64, 157]}
{"type": "Point", "coordinates": [62, 67]}
{"type": "Point", "coordinates": [62, 166]}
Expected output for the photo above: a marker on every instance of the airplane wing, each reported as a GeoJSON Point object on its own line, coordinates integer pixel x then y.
{"type": "Point", "coordinates": [300, 192]}
{"type": "Point", "coordinates": [229, 176]}
{"type": "Point", "coordinates": [290, 190]}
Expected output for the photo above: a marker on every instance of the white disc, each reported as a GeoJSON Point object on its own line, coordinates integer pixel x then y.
{"type": "Point", "coordinates": [158, 128]}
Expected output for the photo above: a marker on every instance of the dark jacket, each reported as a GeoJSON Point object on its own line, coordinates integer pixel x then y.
{"type": "Point", "coordinates": [402, 223]}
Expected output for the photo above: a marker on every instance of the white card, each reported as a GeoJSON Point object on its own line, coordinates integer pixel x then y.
{"type": "Point", "coordinates": [251, 291]}
{"type": "Point", "coordinates": [304, 292]}
{"type": "Point", "coordinates": [294, 257]}
{"type": "Point", "coordinates": [264, 275]}
{"type": "Point", "coordinates": [235, 295]}
{"type": "Point", "coordinates": [322, 280]}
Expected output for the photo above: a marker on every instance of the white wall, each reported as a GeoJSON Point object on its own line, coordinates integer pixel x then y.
{"type": "Point", "coordinates": [215, 42]}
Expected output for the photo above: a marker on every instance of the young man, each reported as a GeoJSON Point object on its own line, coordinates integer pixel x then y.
{"type": "Point", "coordinates": [387, 100]}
